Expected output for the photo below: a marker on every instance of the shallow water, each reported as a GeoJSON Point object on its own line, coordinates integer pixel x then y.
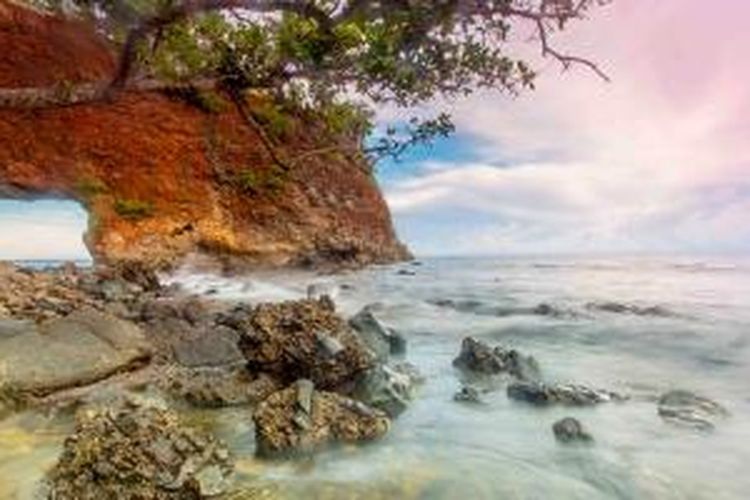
{"type": "Point", "coordinates": [686, 325]}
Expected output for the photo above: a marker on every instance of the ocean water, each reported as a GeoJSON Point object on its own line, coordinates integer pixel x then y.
{"type": "Point", "coordinates": [686, 326]}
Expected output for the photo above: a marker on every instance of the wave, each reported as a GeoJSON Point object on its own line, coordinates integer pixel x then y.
{"type": "Point", "coordinates": [234, 288]}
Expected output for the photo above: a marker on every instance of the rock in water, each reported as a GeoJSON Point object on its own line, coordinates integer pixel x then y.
{"type": "Point", "coordinates": [468, 394]}
{"type": "Point", "coordinates": [133, 451]}
{"type": "Point", "coordinates": [567, 394]}
{"type": "Point", "coordinates": [300, 339]}
{"type": "Point", "coordinates": [479, 358]}
{"type": "Point", "coordinates": [388, 388]}
{"type": "Point", "coordinates": [300, 419]}
{"type": "Point", "coordinates": [690, 410]}
{"type": "Point", "coordinates": [383, 341]}
{"type": "Point", "coordinates": [570, 430]}
{"type": "Point", "coordinates": [476, 356]}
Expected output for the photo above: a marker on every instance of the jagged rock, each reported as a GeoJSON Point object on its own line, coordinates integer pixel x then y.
{"type": "Point", "coordinates": [388, 388]}
{"type": "Point", "coordinates": [468, 394]}
{"type": "Point", "coordinates": [690, 410]}
{"type": "Point", "coordinates": [479, 358]}
{"type": "Point", "coordinates": [38, 295]}
{"type": "Point", "coordinates": [135, 451]}
{"type": "Point", "coordinates": [300, 339]}
{"type": "Point", "coordinates": [80, 349]}
{"type": "Point", "coordinates": [575, 395]}
{"type": "Point", "coordinates": [570, 430]}
{"type": "Point", "coordinates": [300, 419]}
{"type": "Point", "coordinates": [383, 341]}
{"type": "Point", "coordinates": [217, 387]}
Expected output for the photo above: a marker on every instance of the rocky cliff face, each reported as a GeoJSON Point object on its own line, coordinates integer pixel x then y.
{"type": "Point", "coordinates": [164, 176]}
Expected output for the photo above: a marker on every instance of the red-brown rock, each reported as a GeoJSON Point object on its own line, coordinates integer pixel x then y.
{"type": "Point", "coordinates": [163, 178]}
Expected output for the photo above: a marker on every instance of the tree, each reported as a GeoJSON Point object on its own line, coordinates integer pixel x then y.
{"type": "Point", "coordinates": [317, 52]}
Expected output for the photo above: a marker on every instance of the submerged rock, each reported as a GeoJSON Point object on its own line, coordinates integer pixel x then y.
{"type": "Point", "coordinates": [570, 430]}
{"type": "Point", "coordinates": [636, 310]}
{"type": "Point", "coordinates": [383, 341]}
{"type": "Point", "coordinates": [300, 339]}
{"type": "Point", "coordinates": [405, 272]}
{"type": "Point", "coordinates": [690, 410]}
{"type": "Point", "coordinates": [567, 394]}
{"type": "Point", "coordinates": [388, 388]}
{"type": "Point", "coordinates": [135, 451]}
{"type": "Point", "coordinates": [479, 358]}
{"type": "Point", "coordinates": [80, 349]}
{"type": "Point", "coordinates": [468, 394]}
{"type": "Point", "coordinates": [300, 419]}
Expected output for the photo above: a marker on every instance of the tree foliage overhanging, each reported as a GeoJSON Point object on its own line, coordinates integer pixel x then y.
{"type": "Point", "coordinates": [399, 52]}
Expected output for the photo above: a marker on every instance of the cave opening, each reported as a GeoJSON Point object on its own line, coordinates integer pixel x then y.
{"type": "Point", "coordinates": [43, 232]}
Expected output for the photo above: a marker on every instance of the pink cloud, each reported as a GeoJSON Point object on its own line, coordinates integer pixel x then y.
{"type": "Point", "coordinates": [660, 157]}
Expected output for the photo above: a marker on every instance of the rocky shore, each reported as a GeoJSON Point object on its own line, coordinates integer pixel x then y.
{"type": "Point", "coordinates": [126, 354]}
{"type": "Point", "coordinates": [92, 340]}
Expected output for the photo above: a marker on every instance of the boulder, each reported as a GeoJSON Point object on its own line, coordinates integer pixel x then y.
{"type": "Point", "coordinates": [82, 348]}
{"type": "Point", "coordinates": [569, 430]}
{"type": "Point", "coordinates": [301, 419]}
{"type": "Point", "coordinates": [133, 451]}
{"type": "Point", "coordinates": [690, 410]}
{"type": "Point", "coordinates": [388, 388]}
{"type": "Point", "coordinates": [300, 339]}
{"type": "Point", "coordinates": [566, 394]}
{"type": "Point", "coordinates": [183, 330]}
{"type": "Point", "coordinates": [382, 341]}
{"type": "Point", "coordinates": [476, 357]}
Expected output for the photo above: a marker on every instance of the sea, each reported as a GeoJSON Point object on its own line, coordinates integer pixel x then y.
{"type": "Point", "coordinates": [637, 325]}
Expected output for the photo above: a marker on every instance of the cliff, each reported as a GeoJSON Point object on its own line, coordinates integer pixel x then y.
{"type": "Point", "coordinates": [167, 174]}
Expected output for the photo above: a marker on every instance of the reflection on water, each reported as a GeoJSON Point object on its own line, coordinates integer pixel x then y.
{"type": "Point", "coordinates": [441, 449]}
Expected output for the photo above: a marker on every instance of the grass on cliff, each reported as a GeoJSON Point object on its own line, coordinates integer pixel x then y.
{"type": "Point", "coordinates": [266, 181]}
{"type": "Point", "coordinates": [133, 209]}
{"type": "Point", "coordinates": [88, 187]}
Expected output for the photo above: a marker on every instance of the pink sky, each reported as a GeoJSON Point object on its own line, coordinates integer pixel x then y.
{"type": "Point", "coordinates": [659, 159]}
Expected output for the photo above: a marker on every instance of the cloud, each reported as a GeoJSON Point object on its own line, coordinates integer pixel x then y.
{"type": "Point", "coordinates": [657, 160]}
